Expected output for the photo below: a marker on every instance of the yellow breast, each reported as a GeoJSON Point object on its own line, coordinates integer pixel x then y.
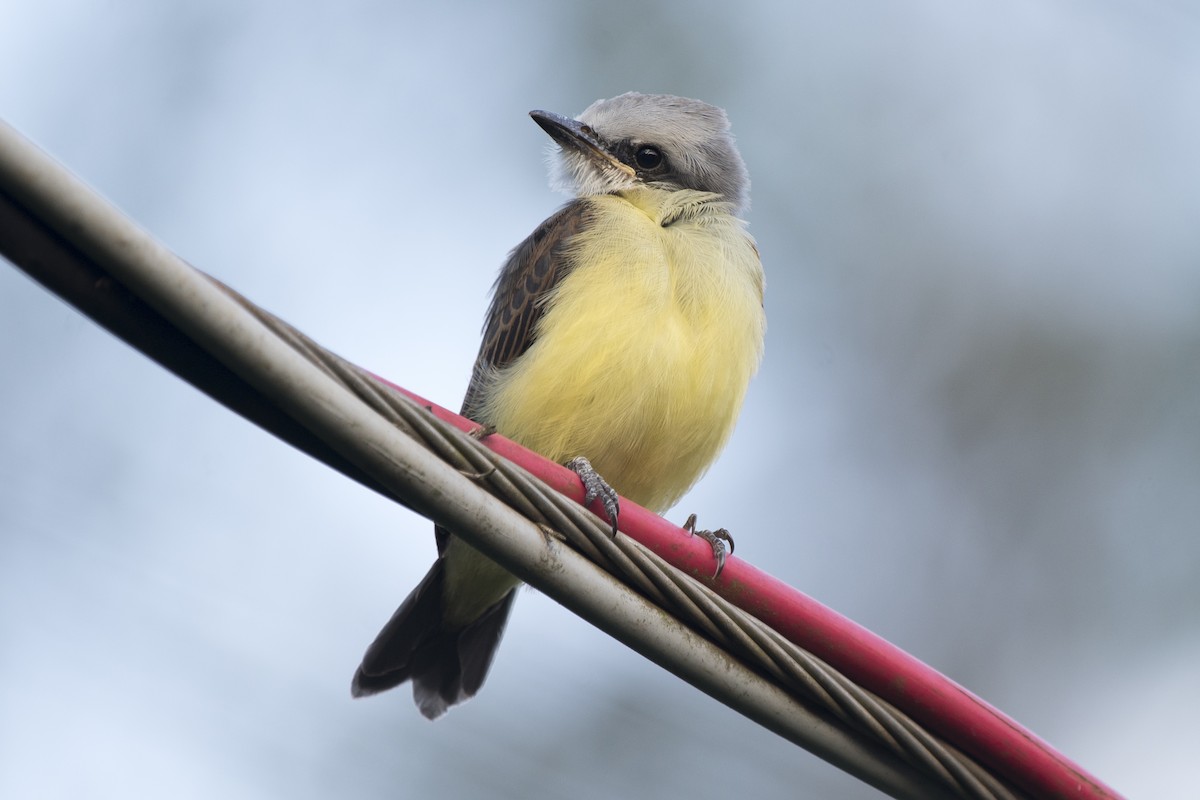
{"type": "Point", "coordinates": [646, 347]}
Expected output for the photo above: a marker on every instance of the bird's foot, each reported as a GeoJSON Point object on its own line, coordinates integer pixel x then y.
{"type": "Point", "coordinates": [482, 432]}
{"type": "Point", "coordinates": [596, 487]}
{"type": "Point", "coordinates": [716, 540]}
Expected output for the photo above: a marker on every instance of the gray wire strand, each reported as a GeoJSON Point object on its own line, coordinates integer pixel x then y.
{"type": "Point", "coordinates": [696, 605]}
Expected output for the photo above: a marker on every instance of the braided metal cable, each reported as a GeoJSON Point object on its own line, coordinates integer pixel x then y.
{"type": "Point", "coordinates": [737, 632]}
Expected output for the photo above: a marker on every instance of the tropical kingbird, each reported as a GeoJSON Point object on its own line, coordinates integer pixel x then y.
{"type": "Point", "coordinates": [620, 340]}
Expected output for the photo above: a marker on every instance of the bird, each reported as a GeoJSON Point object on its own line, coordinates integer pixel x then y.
{"type": "Point", "coordinates": [620, 340]}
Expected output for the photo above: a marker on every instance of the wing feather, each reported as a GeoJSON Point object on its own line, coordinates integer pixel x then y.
{"type": "Point", "coordinates": [533, 268]}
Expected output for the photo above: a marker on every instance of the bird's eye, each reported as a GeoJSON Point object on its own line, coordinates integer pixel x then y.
{"type": "Point", "coordinates": [648, 157]}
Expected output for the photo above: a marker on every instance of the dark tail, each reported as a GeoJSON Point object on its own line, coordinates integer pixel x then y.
{"type": "Point", "coordinates": [446, 666]}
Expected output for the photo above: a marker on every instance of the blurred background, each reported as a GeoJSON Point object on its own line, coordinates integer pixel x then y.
{"type": "Point", "coordinates": [976, 430]}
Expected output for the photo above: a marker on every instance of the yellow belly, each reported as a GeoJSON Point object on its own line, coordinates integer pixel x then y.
{"type": "Point", "coordinates": [646, 347]}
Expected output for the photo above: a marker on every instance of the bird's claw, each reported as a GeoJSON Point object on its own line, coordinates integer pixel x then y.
{"type": "Point", "coordinates": [482, 432]}
{"type": "Point", "coordinates": [595, 487]}
{"type": "Point", "coordinates": [716, 540]}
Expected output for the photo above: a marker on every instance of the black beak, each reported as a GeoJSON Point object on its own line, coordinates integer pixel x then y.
{"type": "Point", "coordinates": [573, 134]}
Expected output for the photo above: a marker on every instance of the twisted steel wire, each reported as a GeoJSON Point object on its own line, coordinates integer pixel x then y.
{"type": "Point", "coordinates": [740, 634]}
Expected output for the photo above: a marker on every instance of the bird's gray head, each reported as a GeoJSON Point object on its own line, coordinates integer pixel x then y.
{"type": "Point", "coordinates": [650, 139]}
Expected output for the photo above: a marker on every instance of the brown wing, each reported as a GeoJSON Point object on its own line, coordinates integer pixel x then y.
{"type": "Point", "coordinates": [533, 268]}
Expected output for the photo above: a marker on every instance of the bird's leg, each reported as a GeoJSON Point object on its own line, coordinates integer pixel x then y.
{"type": "Point", "coordinates": [596, 487]}
{"type": "Point", "coordinates": [716, 539]}
{"type": "Point", "coordinates": [479, 434]}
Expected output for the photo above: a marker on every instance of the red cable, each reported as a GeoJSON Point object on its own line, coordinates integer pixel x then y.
{"type": "Point", "coordinates": [936, 702]}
